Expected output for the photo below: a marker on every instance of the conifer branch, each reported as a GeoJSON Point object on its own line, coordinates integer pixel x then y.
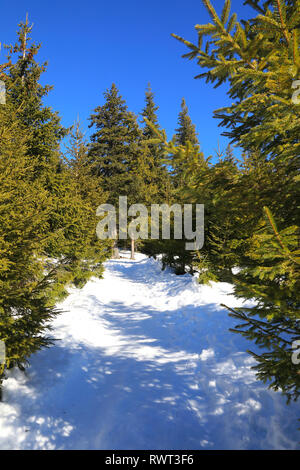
{"type": "Point", "coordinates": [283, 25]}
{"type": "Point", "coordinates": [273, 225]}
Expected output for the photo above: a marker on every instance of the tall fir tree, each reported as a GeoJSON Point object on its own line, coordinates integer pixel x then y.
{"type": "Point", "coordinates": [260, 60]}
{"type": "Point", "coordinates": [156, 156]}
{"type": "Point", "coordinates": [22, 77]}
{"type": "Point", "coordinates": [112, 149]}
{"type": "Point", "coordinates": [86, 190]}
{"type": "Point", "coordinates": [273, 324]}
{"type": "Point", "coordinates": [25, 309]}
{"type": "Point", "coordinates": [186, 131]}
{"type": "Point", "coordinates": [42, 215]}
{"type": "Point", "coordinates": [150, 113]}
{"type": "Point", "coordinates": [186, 150]}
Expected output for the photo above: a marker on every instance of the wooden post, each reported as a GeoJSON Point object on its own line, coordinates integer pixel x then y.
{"type": "Point", "coordinates": [132, 249]}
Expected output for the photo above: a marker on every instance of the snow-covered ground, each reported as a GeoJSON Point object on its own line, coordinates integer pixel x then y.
{"type": "Point", "coordinates": [144, 361]}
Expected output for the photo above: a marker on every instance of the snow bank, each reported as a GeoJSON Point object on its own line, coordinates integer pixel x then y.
{"type": "Point", "coordinates": [144, 360]}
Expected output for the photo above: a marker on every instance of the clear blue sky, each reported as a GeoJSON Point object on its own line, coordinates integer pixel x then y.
{"type": "Point", "coordinates": [90, 44]}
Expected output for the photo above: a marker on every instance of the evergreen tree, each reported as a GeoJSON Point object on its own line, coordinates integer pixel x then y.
{"type": "Point", "coordinates": [113, 151]}
{"type": "Point", "coordinates": [45, 133]}
{"type": "Point", "coordinates": [25, 91]}
{"type": "Point", "coordinates": [42, 214]}
{"type": "Point", "coordinates": [156, 154]}
{"type": "Point", "coordinates": [186, 150]}
{"type": "Point", "coordinates": [229, 156]}
{"type": "Point", "coordinates": [273, 324]}
{"type": "Point", "coordinates": [186, 131]}
{"type": "Point", "coordinates": [89, 186]}
{"type": "Point", "coordinates": [260, 60]}
{"type": "Point", "coordinates": [183, 162]}
{"type": "Point", "coordinates": [150, 113]}
{"type": "Point", "coordinates": [86, 191]}
{"type": "Point", "coordinates": [161, 185]}
{"type": "Point", "coordinates": [25, 310]}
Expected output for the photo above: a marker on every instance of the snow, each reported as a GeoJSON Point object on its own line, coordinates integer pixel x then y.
{"type": "Point", "coordinates": [144, 360]}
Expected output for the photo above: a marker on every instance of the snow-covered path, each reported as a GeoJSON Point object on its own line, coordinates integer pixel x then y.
{"type": "Point", "coordinates": [145, 361]}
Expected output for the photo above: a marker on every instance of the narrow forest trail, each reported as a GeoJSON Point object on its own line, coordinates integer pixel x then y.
{"type": "Point", "coordinates": [144, 361]}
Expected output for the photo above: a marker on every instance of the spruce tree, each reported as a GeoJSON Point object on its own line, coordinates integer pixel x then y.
{"type": "Point", "coordinates": [183, 163]}
{"type": "Point", "coordinates": [273, 324]}
{"type": "Point", "coordinates": [150, 113]}
{"type": "Point", "coordinates": [86, 190]}
{"type": "Point", "coordinates": [186, 131]}
{"type": "Point", "coordinates": [25, 310]}
{"type": "Point", "coordinates": [89, 186]}
{"type": "Point", "coordinates": [23, 73]}
{"type": "Point", "coordinates": [186, 147]}
{"type": "Point", "coordinates": [113, 150]}
{"type": "Point", "coordinates": [156, 150]}
{"type": "Point", "coordinates": [45, 133]}
{"type": "Point", "coordinates": [42, 213]}
{"type": "Point", "coordinates": [259, 58]}
{"type": "Point", "coordinates": [155, 158]}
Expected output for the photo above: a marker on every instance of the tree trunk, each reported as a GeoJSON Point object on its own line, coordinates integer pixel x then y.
{"type": "Point", "coordinates": [132, 249]}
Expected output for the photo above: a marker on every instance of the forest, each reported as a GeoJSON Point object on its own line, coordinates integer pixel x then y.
{"type": "Point", "coordinates": [53, 179]}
